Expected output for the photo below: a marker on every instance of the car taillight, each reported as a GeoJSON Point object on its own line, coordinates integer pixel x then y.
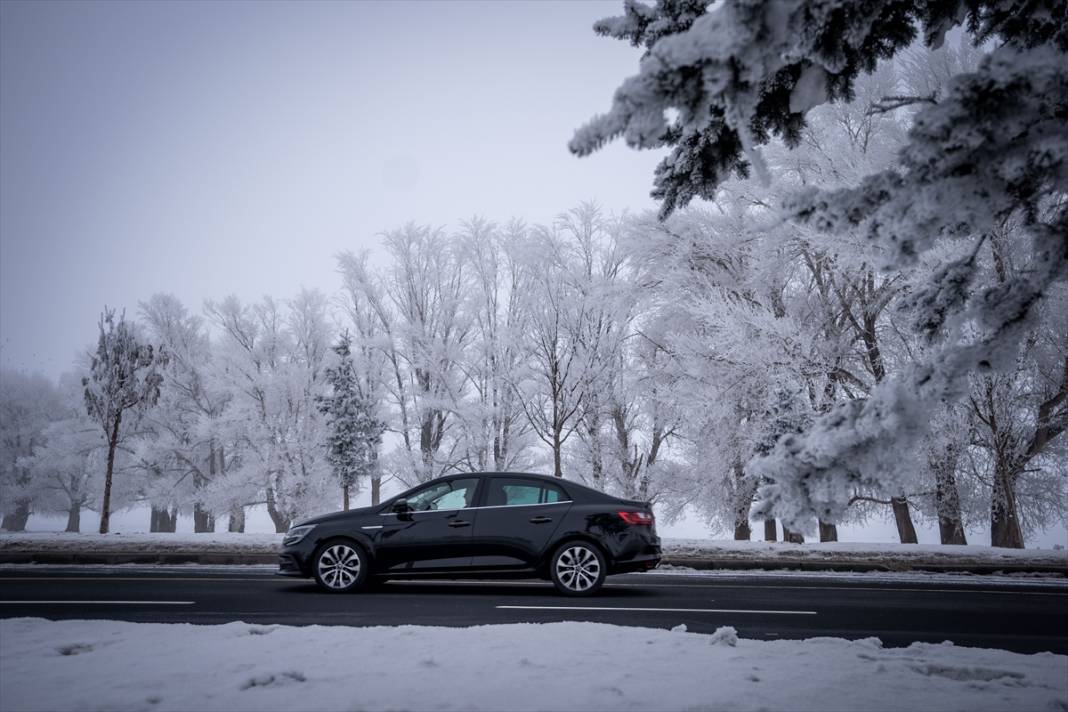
{"type": "Point", "coordinates": [640, 518]}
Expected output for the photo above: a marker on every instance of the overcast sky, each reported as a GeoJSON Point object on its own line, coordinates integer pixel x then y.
{"type": "Point", "coordinates": [204, 149]}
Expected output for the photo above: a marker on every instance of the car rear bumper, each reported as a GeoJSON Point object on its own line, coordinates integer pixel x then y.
{"type": "Point", "coordinates": [638, 549]}
{"type": "Point", "coordinates": [639, 564]}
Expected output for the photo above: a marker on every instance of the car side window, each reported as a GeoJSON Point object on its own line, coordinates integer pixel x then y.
{"type": "Point", "coordinates": [452, 494]}
{"type": "Point", "coordinates": [513, 493]}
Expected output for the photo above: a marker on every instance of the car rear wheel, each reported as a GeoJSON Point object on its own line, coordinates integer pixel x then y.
{"type": "Point", "coordinates": [578, 569]}
{"type": "Point", "coordinates": [341, 566]}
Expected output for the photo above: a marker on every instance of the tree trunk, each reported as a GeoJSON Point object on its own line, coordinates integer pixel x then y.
{"type": "Point", "coordinates": [828, 532]}
{"type": "Point", "coordinates": [281, 522]}
{"type": "Point", "coordinates": [593, 431]}
{"type": "Point", "coordinates": [16, 521]}
{"type": "Point", "coordinates": [345, 497]}
{"type": "Point", "coordinates": [237, 519]}
{"type": "Point", "coordinates": [742, 531]}
{"type": "Point", "coordinates": [557, 447]}
{"type": "Point", "coordinates": [105, 506]}
{"type": "Point", "coordinates": [1004, 521]}
{"type": "Point", "coordinates": [906, 532]}
{"type": "Point", "coordinates": [376, 490]}
{"type": "Point", "coordinates": [792, 537]}
{"type": "Point", "coordinates": [769, 530]}
{"type": "Point", "coordinates": [947, 499]}
{"type": "Point", "coordinates": [164, 520]}
{"type": "Point", "coordinates": [203, 520]}
{"type": "Point", "coordinates": [74, 518]}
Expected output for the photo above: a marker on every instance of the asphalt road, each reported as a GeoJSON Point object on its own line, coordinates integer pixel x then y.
{"type": "Point", "coordinates": [1023, 618]}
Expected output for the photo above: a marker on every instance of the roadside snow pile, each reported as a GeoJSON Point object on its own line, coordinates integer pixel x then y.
{"type": "Point", "coordinates": [92, 665]}
{"type": "Point", "coordinates": [835, 552]}
{"type": "Point", "coordinates": [216, 542]}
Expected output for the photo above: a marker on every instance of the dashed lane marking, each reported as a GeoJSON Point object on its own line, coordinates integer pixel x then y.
{"type": "Point", "coordinates": [657, 610]}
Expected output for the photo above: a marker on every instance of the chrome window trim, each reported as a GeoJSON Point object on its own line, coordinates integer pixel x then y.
{"type": "Point", "coordinates": [492, 506]}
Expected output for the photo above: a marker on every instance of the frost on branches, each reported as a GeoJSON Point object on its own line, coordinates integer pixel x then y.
{"type": "Point", "coordinates": [988, 154]}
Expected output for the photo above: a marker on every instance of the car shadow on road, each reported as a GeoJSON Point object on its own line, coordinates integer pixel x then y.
{"type": "Point", "coordinates": [498, 589]}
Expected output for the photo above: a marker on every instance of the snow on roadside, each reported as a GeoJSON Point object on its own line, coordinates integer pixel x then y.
{"type": "Point", "coordinates": [91, 665]}
{"type": "Point", "coordinates": [159, 542]}
{"type": "Point", "coordinates": [830, 551]}
{"type": "Point", "coordinates": [962, 578]}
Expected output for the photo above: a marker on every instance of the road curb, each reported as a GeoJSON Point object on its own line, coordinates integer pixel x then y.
{"type": "Point", "coordinates": [704, 563]}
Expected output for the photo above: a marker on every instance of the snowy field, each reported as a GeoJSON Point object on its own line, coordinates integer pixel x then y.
{"type": "Point", "coordinates": [95, 665]}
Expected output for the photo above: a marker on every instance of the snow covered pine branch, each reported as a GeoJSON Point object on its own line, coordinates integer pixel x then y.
{"type": "Point", "coordinates": [715, 83]}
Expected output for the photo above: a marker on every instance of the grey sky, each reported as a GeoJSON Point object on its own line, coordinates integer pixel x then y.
{"type": "Point", "coordinates": [213, 148]}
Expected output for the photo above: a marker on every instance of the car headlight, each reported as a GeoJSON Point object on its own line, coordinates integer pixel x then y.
{"type": "Point", "coordinates": [296, 534]}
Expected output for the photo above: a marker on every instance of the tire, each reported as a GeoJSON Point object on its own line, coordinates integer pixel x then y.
{"type": "Point", "coordinates": [341, 566]}
{"type": "Point", "coordinates": [578, 569]}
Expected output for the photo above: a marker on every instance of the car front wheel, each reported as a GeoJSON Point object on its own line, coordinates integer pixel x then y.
{"type": "Point", "coordinates": [341, 566]}
{"type": "Point", "coordinates": [578, 569]}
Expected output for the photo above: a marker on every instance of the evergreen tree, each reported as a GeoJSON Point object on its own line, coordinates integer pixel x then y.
{"type": "Point", "coordinates": [123, 379]}
{"type": "Point", "coordinates": [716, 85]}
{"type": "Point", "coordinates": [354, 430]}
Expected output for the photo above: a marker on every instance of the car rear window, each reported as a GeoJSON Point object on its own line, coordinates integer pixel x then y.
{"type": "Point", "coordinates": [508, 492]}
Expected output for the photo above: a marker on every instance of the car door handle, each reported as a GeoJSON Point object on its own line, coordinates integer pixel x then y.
{"type": "Point", "coordinates": [459, 523]}
{"type": "Point", "coordinates": [540, 520]}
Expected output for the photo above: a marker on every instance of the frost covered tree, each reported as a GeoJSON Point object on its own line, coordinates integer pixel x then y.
{"type": "Point", "coordinates": [717, 84]}
{"type": "Point", "coordinates": [181, 452]}
{"type": "Point", "coordinates": [354, 430]}
{"type": "Point", "coordinates": [67, 465]}
{"type": "Point", "coordinates": [270, 359]}
{"type": "Point", "coordinates": [418, 302]}
{"type": "Point", "coordinates": [123, 383]}
{"type": "Point", "coordinates": [496, 431]}
{"type": "Point", "coordinates": [554, 380]}
{"type": "Point", "coordinates": [28, 404]}
{"type": "Point", "coordinates": [370, 357]}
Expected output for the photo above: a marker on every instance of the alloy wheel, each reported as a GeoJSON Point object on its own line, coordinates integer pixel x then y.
{"type": "Point", "coordinates": [339, 566]}
{"type": "Point", "coordinates": [578, 568]}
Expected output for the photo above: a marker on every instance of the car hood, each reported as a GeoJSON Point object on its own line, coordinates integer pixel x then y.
{"type": "Point", "coordinates": [336, 516]}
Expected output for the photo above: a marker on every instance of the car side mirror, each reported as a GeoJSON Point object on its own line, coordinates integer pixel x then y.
{"type": "Point", "coordinates": [401, 506]}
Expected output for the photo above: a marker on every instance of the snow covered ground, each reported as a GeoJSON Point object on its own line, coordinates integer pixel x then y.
{"type": "Point", "coordinates": [213, 542]}
{"type": "Point", "coordinates": [891, 554]}
{"type": "Point", "coordinates": [93, 665]}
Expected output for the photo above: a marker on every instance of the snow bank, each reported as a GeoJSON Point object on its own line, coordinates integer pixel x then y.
{"type": "Point", "coordinates": [90, 665]}
{"type": "Point", "coordinates": [837, 551]}
{"type": "Point", "coordinates": [218, 542]}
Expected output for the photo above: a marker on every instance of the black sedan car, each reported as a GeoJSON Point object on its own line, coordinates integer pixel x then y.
{"type": "Point", "coordinates": [479, 525]}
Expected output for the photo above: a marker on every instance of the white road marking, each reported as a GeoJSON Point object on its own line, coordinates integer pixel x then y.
{"type": "Point", "coordinates": [658, 610]}
{"type": "Point", "coordinates": [271, 579]}
{"type": "Point", "coordinates": [103, 603]}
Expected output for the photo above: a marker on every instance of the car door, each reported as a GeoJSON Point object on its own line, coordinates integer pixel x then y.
{"type": "Point", "coordinates": [516, 521]}
{"type": "Point", "coordinates": [436, 533]}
